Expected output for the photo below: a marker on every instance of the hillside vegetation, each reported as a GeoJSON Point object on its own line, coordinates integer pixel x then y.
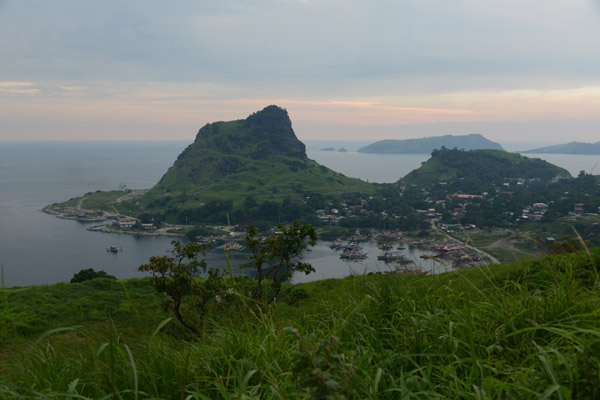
{"type": "Point", "coordinates": [482, 166]}
{"type": "Point", "coordinates": [428, 144]}
{"type": "Point", "coordinates": [259, 158]}
{"type": "Point", "coordinates": [525, 330]}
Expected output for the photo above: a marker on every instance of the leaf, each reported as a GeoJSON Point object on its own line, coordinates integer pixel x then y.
{"type": "Point", "coordinates": [73, 386]}
{"type": "Point", "coordinates": [56, 330]}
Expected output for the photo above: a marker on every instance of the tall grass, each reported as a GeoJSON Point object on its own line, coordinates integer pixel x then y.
{"type": "Point", "coordinates": [527, 330]}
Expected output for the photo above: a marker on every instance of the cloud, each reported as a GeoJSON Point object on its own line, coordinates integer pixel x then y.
{"type": "Point", "coordinates": [14, 84]}
{"type": "Point", "coordinates": [72, 88]}
{"type": "Point", "coordinates": [20, 91]}
{"type": "Point", "coordinates": [319, 45]}
{"type": "Point", "coordinates": [330, 62]}
{"type": "Point", "coordinates": [14, 87]}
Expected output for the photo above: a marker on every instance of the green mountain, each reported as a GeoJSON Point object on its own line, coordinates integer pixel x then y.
{"type": "Point", "coordinates": [237, 167]}
{"type": "Point", "coordinates": [481, 166]}
{"type": "Point", "coordinates": [427, 145]}
{"type": "Point", "coordinates": [568, 148]}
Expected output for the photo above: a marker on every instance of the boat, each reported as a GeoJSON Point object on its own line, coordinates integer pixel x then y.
{"type": "Point", "coordinates": [353, 255]}
{"type": "Point", "coordinates": [113, 249]}
{"type": "Point", "coordinates": [394, 257]}
{"type": "Point", "coordinates": [336, 245]}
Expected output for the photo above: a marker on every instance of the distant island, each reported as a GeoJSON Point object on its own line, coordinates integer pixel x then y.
{"type": "Point", "coordinates": [426, 145]}
{"type": "Point", "coordinates": [341, 149]}
{"type": "Point", "coordinates": [568, 148]}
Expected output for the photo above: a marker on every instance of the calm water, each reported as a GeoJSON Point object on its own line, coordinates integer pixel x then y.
{"type": "Point", "coordinates": [36, 248]}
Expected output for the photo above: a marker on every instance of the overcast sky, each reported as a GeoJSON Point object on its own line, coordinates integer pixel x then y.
{"type": "Point", "coordinates": [512, 70]}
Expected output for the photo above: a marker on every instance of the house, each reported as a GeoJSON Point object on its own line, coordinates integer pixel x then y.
{"type": "Point", "coordinates": [464, 196]}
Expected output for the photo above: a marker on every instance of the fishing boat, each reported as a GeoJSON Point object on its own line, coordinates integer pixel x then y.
{"type": "Point", "coordinates": [394, 257]}
{"type": "Point", "coordinates": [353, 255]}
{"type": "Point", "coordinates": [336, 245]}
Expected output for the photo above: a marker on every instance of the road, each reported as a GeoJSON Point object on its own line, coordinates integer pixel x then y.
{"type": "Point", "coordinates": [490, 257]}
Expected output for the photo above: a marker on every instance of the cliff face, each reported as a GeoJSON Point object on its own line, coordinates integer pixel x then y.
{"type": "Point", "coordinates": [224, 148]}
{"type": "Point", "coordinates": [263, 134]}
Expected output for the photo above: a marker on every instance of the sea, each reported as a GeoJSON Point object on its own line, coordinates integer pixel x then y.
{"type": "Point", "coordinates": [38, 249]}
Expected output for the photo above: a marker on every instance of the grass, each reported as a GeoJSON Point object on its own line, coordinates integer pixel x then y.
{"type": "Point", "coordinates": [485, 238]}
{"type": "Point", "coordinates": [506, 245]}
{"type": "Point", "coordinates": [526, 330]}
{"type": "Point", "coordinates": [102, 200]}
{"type": "Point", "coordinates": [92, 201]}
{"type": "Point", "coordinates": [34, 309]}
{"type": "Point", "coordinates": [264, 180]}
{"type": "Point", "coordinates": [270, 180]}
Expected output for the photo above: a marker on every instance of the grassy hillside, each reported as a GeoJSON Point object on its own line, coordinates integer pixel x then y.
{"type": "Point", "coordinates": [251, 169]}
{"type": "Point", "coordinates": [515, 331]}
{"type": "Point", "coordinates": [428, 144]}
{"type": "Point", "coordinates": [481, 165]}
{"type": "Point", "coordinates": [259, 157]}
{"type": "Point", "coordinates": [272, 179]}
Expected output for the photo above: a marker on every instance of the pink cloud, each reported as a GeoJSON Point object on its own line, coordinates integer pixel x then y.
{"type": "Point", "coordinates": [14, 84]}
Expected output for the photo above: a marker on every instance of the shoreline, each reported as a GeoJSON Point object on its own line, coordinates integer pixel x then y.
{"type": "Point", "coordinates": [51, 211]}
{"type": "Point", "coordinates": [108, 229]}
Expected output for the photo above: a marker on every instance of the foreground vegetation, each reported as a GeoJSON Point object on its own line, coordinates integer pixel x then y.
{"type": "Point", "coordinates": [529, 329]}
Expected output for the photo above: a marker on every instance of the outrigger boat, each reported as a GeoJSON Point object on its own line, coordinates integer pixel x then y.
{"type": "Point", "coordinates": [353, 255]}
{"type": "Point", "coordinates": [394, 257]}
{"type": "Point", "coordinates": [336, 245]}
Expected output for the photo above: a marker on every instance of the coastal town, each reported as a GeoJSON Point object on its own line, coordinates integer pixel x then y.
{"type": "Point", "coordinates": [439, 218]}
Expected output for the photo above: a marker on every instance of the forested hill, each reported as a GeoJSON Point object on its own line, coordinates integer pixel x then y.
{"type": "Point", "coordinates": [568, 148]}
{"type": "Point", "coordinates": [482, 166]}
{"type": "Point", "coordinates": [428, 144]}
{"type": "Point", "coordinates": [255, 166]}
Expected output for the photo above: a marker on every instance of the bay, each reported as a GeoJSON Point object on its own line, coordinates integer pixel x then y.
{"type": "Point", "coordinates": [36, 248]}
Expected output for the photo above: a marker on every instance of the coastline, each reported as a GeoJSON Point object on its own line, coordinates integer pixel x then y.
{"type": "Point", "coordinates": [63, 215]}
{"type": "Point", "coordinates": [106, 228]}
{"type": "Point", "coordinates": [159, 232]}
{"type": "Point", "coordinates": [69, 213]}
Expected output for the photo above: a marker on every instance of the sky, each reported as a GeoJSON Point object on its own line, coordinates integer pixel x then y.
{"type": "Point", "coordinates": [512, 70]}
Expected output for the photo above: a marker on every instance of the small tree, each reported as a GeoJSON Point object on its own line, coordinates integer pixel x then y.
{"type": "Point", "coordinates": [278, 256]}
{"type": "Point", "coordinates": [190, 298]}
{"type": "Point", "coordinates": [89, 274]}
